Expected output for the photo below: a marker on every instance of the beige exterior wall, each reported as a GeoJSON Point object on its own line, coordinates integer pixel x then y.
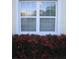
{"type": "Point", "coordinates": [62, 23]}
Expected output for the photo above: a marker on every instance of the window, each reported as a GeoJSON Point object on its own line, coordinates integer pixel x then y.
{"type": "Point", "coordinates": [38, 16]}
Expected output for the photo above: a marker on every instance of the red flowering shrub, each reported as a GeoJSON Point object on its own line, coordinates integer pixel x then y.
{"type": "Point", "coordinates": [38, 47]}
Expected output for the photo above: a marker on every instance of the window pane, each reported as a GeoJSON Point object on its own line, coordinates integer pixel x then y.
{"type": "Point", "coordinates": [47, 24]}
{"type": "Point", "coordinates": [28, 24]}
{"type": "Point", "coordinates": [47, 9]}
{"type": "Point", "coordinates": [28, 8]}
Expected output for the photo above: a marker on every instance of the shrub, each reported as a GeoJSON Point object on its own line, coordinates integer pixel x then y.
{"type": "Point", "coordinates": [38, 47]}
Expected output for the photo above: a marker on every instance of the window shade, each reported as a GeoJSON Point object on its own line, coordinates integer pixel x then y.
{"type": "Point", "coordinates": [47, 24]}
{"type": "Point", "coordinates": [28, 24]}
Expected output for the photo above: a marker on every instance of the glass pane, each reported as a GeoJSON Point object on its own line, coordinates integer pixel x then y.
{"type": "Point", "coordinates": [47, 9]}
{"type": "Point", "coordinates": [47, 24]}
{"type": "Point", "coordinates": [28, 24]}
{"type": "Point", "coordinates": [28, 8]}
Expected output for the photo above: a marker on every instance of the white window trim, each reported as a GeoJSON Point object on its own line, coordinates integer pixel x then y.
{"type": "Point", "coordinates": [58, 19]}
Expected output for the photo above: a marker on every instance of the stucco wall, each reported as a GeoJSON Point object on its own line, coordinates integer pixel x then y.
{"type": "Point", "coordinates": [62, 23]}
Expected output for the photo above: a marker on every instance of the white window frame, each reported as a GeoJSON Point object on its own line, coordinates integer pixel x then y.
{"type": "Point", "coordinates": [57, 20]}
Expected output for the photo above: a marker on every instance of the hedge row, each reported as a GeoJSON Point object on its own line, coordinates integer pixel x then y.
{"type": "Point", "coordinates": [38, 47]}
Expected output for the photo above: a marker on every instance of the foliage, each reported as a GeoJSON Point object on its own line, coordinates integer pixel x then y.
{"type": "Point", "coordinates": [38, 47]}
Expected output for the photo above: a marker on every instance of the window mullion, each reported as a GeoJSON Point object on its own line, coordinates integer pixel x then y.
{"type": "Point", "coordinates": [37, 18]}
